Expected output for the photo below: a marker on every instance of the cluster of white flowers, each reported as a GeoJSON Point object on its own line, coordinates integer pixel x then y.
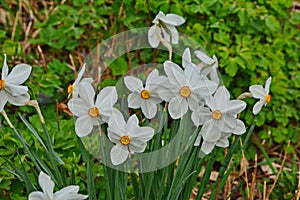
{"type": "Point", "coordinates": [194, 87]}
{"type": "Point", "coordinates": [128, 137]}
{"type": "Point", "coordinates": [190, 88]}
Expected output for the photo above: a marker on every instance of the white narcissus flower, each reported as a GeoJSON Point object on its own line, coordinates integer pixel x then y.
{"type": "Point", "coordinates": [262, 94]}
{"type": "Point", "coordinates": [211, 66]}
{"type": "Point", "coordinates": [128, 137]}
{"type": "Point", "coordinates": [73, 89]}
{"type": "Point", "coordinates": [146, 97]}
{"type": "Point", "coordinates": [184, 89]}
{"type": "Point", "coordinates": [89, 112]}
{"type": "Point", "coordinates": [220, 117]}
{"type": "Point", "coordinates": [47, 185]}
{"type": "Point", "coordinates": [164, 26]}
{"type": "Point", "coordinates": [10, 89]}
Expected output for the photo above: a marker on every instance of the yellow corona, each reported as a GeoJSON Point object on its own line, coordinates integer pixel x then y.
{"type": "Point", "coordinates": [125, 140]}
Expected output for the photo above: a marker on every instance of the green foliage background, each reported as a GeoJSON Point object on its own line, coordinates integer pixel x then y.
{"type": "Point", "coordinates": [252, 40]}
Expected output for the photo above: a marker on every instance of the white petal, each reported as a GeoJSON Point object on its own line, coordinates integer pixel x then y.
{"type": "Point", "coordinates": [240, 128]}
{"type": "Point", "coordinates": [186, 57]}
{"type": "Point", "coordinates": [117, 121]}
{"type": "Point", "coordinates": [177, 107]}
{"type": "Point", "coordinates": [65, 192]}
{"type": "Point", "coordinates": [152, 36]}
{"type": "Point", "coordinates": [223, 142]}
{"type": "Point", "coordinates": [80, 74]}
{"type": "Point", "coordinates": [36, 196]}
{"type": "Point", "coordinates": [166, 92]}
{"type": "Point", "coordinates": [88, 80]}
{"type": "Point", "coordinates": [3, 99]}
{"type": "Point", "coordinates": [46, 184]}
{"type": "Point", "coordinates": [194, 102]}
{"type": "Point", "coordinates": [87, 93]}
{"type": "Point", "coordinates": [137, 146]}
{"type": "Point", "coordinates": [19, 74]}
{"type": "Point", "coordinates": [149, 108]}
{"type": "Point", "coordinates": [192, 74]}
{"type": "Point", "coordinates": [155, 84]}
{"type": "Point", "coordinates": [257, 107]}
{"type": "Point", "coordinates": [107, 97]}
{"type": "Point", "coordinates": [83, 125]}
{"type": "Point", "coordinates": [211, 102]}
{"type": "Point", "coordinates": [207, 147]}
{"type": "Point", "coordinates": [173, 19]}
{"type": "Point", "coordinates": [142, 134]}
{"type": "Point", "coordinates": [114, 135]}
{"type": "Point", "coordinates": [267, 86]}
{"type": "Point", "coordinates": [118, 154]}
{"type": "Point", "coordinates": [175, 74]}
{"type": "Point", "coordinates": [78, 107]}
{"type": "Point", "coordinates": [222, 96]}
{"type": "Point", "coordinates": [15, 90]}
{"type": "Point", "coordinates": [174, 34]}
{"type": "Point", "coordinates": [69, 193]}
{"type": "Point", "coordinates": [227, 123]}
{"type": "Point", "coordinates": [4, 69]}
{"type": "Point", "coordinates": [234, 107]}
{"type": "Point", "coordinates": [200, 116]}
{"type": "Point", "coordinates": [257, 91]}
{"type": "Point", "coordinates": [205, 87]}
{"type": "Point", "coordinates": [160, 15]}
{"type": "Point", "coordinates": [151, 77]}
{"type": "Point", "coordinates": [133, 84]}
{"type": "Point", "coordinates": [204, 57]}
{"type": "Point", "coordinates": [210, 132]}
{"type": "Point", "coordinates": [132, 124]}
{"type": "Point", "coordinates": [134, 100]}
{"type": "Point", "coordinates": [18, 100]}
{"type": "Point", "coordinates": [166, 34]}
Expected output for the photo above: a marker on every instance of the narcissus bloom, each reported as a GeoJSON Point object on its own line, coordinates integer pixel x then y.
{"type": "Point", "coordinates": [128, 136]}
{"type": "Point", "coordinates": [89, 112]}
{"type": "Point", "coordinates": [73, 89]}
{"type": "Point", "coordinates": [220, 117]}
{"type": "Point", "coordinates": [262, 94]}
{"type": "Point", "coordinates": [164, 26]}
{"type": "Point", "coordinates": [10, 89]}
{"type": "Point", "coordinates": [47, 185]}
{"type": "Point", "coordinates": [146, 97]}
{"type": "Point", "coordinates": [185, 88]}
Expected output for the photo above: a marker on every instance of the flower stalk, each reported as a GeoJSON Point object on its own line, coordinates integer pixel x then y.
{"type": "Point", "coordinates": [7, 119]}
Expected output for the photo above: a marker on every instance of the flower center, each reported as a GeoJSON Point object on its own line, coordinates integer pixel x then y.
{"type": "Point", "coordinates": [125, 140]}
{"type": "Point", "coordinates": [216, 114]}
{"type": "Point", "coordinates": [268, 98]}
{"type": "Point", "coordinates": [145, 94]}
{"type": "Point", "coordinates": [185, 91]}
{"type": "Point", "coordinates": [70, 89]}
{"type": "Point", "coordinates": [2, 84]}
{"type": "Point", "coordinates": [94, 112]}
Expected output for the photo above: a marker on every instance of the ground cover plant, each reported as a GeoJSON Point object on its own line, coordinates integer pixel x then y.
{"type": "Point", "coordinates": [251, 41]}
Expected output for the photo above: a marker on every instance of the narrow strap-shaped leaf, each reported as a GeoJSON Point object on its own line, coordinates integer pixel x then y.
{"type": "Point", "coordinates": [90, 177]}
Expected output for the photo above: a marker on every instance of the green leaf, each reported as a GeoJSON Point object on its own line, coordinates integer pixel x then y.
{"type": "Point", "coordinates": [119, 67]}
{"type": "Point", "coordinates": [242, 17]}
{"type": "Point", "coordinates": [12, 48]}
{"type": "Point", "coordinates": [272, 23]}
{"type": "Point", "coordinates": [231, 68]}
